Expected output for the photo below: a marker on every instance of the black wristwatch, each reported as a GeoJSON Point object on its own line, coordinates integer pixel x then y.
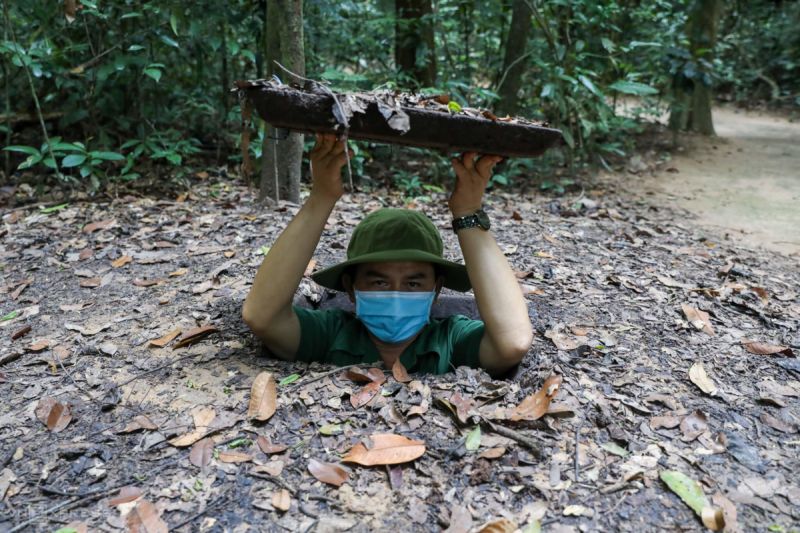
{"type": "Point", "coordinates": [477, 219]}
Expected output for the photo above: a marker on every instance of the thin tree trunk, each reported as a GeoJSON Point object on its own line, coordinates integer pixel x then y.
{"type": "Point", "coordinates": [691, 107]}
{"type": "Point", "coordinates": [280, 152]}
{"type": "Point", "coordinates": [414, 47]}
{"type": "Point", "coordinates": [514, 59]}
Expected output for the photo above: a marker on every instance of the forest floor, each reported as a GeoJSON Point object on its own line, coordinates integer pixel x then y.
{"type": "Point", "coordinates": [677, 349]}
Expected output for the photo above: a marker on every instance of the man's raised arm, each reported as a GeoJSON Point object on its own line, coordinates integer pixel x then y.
{"type": "Point", "coordinates": [508, 332]}
{"type": "Point", "coordinates": [268, 306]}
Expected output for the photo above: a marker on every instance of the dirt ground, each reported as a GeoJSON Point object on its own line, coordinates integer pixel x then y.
{"type": "Point", "coordinates": [676, 346]}
{"type": "Point", "coordinates": [745, 183]}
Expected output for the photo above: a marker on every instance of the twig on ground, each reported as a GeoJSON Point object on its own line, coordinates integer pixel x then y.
{"type": "Point", "coordinates": [577, 463]}
{"type": "Point", "coordinates": [529, 443]}
{"type": "Point", "coordinates": [156, 369]}
{"type": "Point", "coordinates": [75, 502]}
{"type": "Point", "coordinates": [278, 481]}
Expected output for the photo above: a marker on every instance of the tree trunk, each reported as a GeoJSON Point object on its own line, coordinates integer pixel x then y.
{"type": "Point", "coordinates": [414, 48]}
{"type": "Point", "coordinates": [691, 108]}
{"type": "Point", "coordinates": [514, 59]}
{"type": "Point", "coordinates": [283, 152]}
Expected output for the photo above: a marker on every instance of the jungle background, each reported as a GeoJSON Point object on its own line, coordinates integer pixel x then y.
{"type": "Point", "coordinates": [656, 247]}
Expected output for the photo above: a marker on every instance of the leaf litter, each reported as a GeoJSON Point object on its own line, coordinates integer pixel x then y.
{"type": "Point", "coordinates": [609, 280]}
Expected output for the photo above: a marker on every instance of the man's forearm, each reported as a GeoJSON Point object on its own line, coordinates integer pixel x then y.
{"type": "Point", "coordinates": [282, 269]}
{"type": "Point", "coordinates": [500, 301]}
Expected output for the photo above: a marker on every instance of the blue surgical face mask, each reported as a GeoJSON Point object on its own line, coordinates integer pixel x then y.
{"type": "Point", "coordinates": [394, 316]}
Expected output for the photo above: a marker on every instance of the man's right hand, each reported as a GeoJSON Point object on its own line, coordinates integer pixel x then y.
{"type": "Point", "coordinates": [327, 159]}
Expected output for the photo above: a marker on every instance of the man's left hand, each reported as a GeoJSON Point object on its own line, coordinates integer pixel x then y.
{"type": "Point", "coordinates": [472, 177]}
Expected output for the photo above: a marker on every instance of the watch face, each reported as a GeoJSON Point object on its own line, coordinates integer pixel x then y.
{"type": "Point", "coordinates": [483, 219]}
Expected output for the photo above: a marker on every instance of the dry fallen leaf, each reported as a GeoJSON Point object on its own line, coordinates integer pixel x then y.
{"type": "Point", "coordinates": [126, 494]}
{"type": "Point", "coordinates": [698, 319]}
{"type": "Point", "coordinates": [535, 406]}
{"type": "Point", "coordinates": [501, 525]}
{"type": "Point", "coordinates": [762, 348]}
{"type": "Point", "coordinates": [235, 457]}
{"type": "Point", "coordinates": [179, 272]}
{"type": "Point", "coordinates": [38, 346]}
{"type": "Point", "coordinates": [327, 472]}
{"type": "Point", "coordinates": [562, 341]}
{"type": "Point", "coordinates": [53, 414]}
{"type": "Point", "coordinates": [94, 226]}
{"type": "Point", "coordinates": [363, 397]}
{"type": "Point", "coordinates": [263, 397]}
{"type": "Point", "coordinates": [699, 377]}
{"type": "Point", "coordinates": [269, 448]}
{"type": "Point", "coordinates": [399, 372]}
{"type": "Point", "coordinates": [492, 453]}
{"type": "Point", "coordinates": [166, 339]}
{"type": "Point", "coordinates": [371, 375]}
{"type": "Point", "coordinates": [138, 422]}
{"type": "Point", "coordinates": [202, 416]}
{"type": "Point", "coordinates": [665, 421]}
{"type": "Point", "coordinates": [693, 425]}
{"type": "Point", "coordinates": [121, 261]}
{"type": "Point", "coordinates": [463, 406]}
{"type": "Point", "coordinates": [194, 335]}
{"type": "Point", "coordinates": [281, 500]}
{"type": "Point", "coordinates": [144, 519]}
{"type": "Point", "coordinates": [385, 449]}
{"type": "Point", "coordinates": [201, 452]}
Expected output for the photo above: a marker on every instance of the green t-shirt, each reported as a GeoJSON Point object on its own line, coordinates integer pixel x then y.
{"type": "Point", "coordinates": [337, 337]}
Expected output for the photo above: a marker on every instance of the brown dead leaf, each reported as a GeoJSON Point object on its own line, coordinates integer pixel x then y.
{"type": "Point", "coordinates": [399, 372]}
{"type": "Point", "coordinates": [203, 417]}
{"type": "Point", "coordinates": [363, 397]}
{"type": "Point", "coordinates": [712, 518]}
{"type": "Point", "coordinates": [492, 453]}
{"type": "Point", "coordinates": [85, 254]}
{"type": "Point", "coordinates": [535, 406]}
{"type": "Point", "coordinates": [179, 272]}
{"type": "Point", "coordinates": [94, 226]}
{"type": "Point", "coordinates": [310, 267]}
{"type": "Point", "coordinates": [561, 341]}
{"type": "Point", "coordinates": [501, 525]}
{"type": "Point", "coordinates": [166, 339]}
{"type": "Point", "coordinates": [194, 335]}
{"type": "Point", "coordinates": [21, 332]}
{"type": "Point", "coordinates": [39, 345]}
{"type": "Point", "coordinates": [666, 421]}
{"type": "Point", "coordinates": [698, 376]}
{"type": "Point", "coordinates": [121, 261]}
{"type": "Point", "coordinates": [263, 397]}
{"type": "Point", "coordinates": [463, 406]}
{"type": "Point", "coordinates": [53, 414]}
{"type": "Point", "coordinates": [371, 375]}
{"type": "Point", "coordinates": [201, 452]}
{"type": "Point", "coordinates": [90, 283]}
{"type": "Point", "coordinates": [693, 425]}
{"type": "Point", "coordinates": [328, 473]}
{"type": "Point", "coordinates": [235, 457]}
{"type": "Point", "coordinates": [762, 348]}
{"type": "Point", "coordinates": [777, 423]}
{"type": "Point", "coordinates": [281, 500]}
{"type": "Point", "coordinates": [144, 518]}
{"type": "Point", "coordinates": [385, 449]}
{"type": "Point", "coordinates": [139, 422]}
{"type": "Point", "coordinates": [268, 447]}
{"type": "Point", "coordinates": [698, 319]}
{"type": "Point", "coordinates": [126, 494]}
{"type": "Point", "coordinates": [147, 282]}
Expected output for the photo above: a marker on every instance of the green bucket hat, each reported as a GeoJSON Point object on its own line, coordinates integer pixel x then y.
{"type": "Point", "coordinates": [396, 235]}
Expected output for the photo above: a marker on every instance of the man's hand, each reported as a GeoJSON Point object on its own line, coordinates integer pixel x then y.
{"type": "Point", "coordinates": [327, 159]}
{"type": "Point", "coordinates": [471, 180]}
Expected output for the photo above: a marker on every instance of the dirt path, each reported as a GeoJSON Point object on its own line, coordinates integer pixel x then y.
{"type": "Point", "coordinates": [745, 183]}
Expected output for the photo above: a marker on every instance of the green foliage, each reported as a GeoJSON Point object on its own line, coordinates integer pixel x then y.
{"type": "Point", "coordinates": [143, 88]}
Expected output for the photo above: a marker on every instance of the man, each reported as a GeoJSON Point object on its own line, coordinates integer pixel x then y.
{"type": "Point", "coordinates": [393, 273]}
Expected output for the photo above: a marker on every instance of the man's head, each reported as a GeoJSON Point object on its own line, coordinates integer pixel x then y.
{"type": "Point", "coordinates": [401, 276]}
{"type": "Point", "coordinates": [395, 248]}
